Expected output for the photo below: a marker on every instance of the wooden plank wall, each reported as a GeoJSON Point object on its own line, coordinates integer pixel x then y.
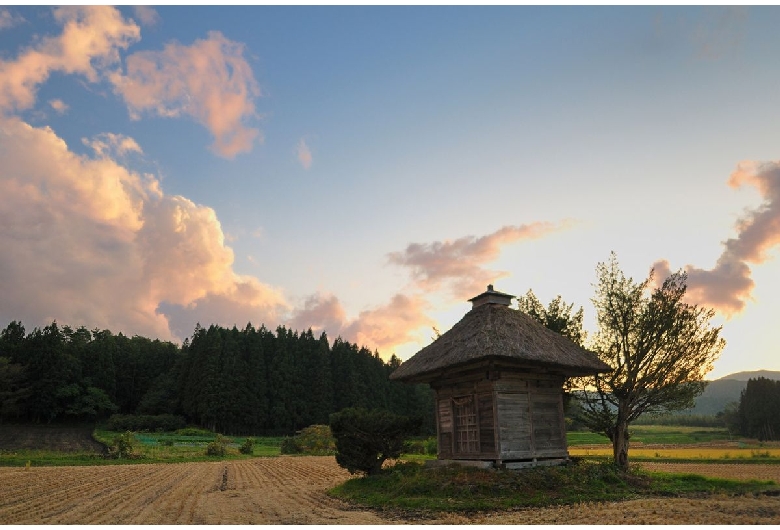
{"type": "Point", "coordinates": [519, 415]}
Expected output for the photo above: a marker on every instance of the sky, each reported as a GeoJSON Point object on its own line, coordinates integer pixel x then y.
{"type": "Point", "coordinates": [364, 171]}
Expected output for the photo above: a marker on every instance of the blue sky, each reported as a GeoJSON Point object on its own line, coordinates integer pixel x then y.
{"type": "Point", "coordinates": [366, 170]}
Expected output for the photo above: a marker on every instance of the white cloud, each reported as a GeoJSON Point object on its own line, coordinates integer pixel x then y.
{"type": "Point", "coordinates": [89, 242]}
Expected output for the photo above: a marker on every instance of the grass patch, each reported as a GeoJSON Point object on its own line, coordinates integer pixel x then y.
{"type": "Point", "coordinates": [655, 434]}
{"type": "Point", "coordinates": [43, 457]}
{"type": "Point", "coordinates": [184, 445]}
{"type": "Point", "coordinates": [191, 446]}
{"type": "Point", "coordinates": [411, 486]}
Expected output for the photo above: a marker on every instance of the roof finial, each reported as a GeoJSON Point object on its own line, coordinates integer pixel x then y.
{"type": "Point", "coordinates": [491, 296]}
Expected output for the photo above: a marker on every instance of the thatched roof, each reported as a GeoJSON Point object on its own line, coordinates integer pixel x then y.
{"type": "Point", "coordinates": [496, 331]}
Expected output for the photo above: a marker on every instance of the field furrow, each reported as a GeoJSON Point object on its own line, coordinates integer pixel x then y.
{"type": "Point", "coordinates": [292, 490]}
{"type": "Point", "coordinates": [732, 471]}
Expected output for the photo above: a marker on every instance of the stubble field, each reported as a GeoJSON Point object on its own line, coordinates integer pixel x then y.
{"type": "Point", "coordinates": [293, 490]}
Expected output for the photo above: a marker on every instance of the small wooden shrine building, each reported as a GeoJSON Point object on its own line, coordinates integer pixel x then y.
{"type": "Point", "coordinates": [498, 375]}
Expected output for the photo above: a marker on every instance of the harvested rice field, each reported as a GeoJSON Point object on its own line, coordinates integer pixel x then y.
{"type": "Point", "coordinates": [695, 452]}
{"type": "Point", "coordinates": [293, 490]}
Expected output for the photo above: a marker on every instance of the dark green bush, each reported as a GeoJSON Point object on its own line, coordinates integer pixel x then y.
{"type": "Point", "coordinates": [365, 439]}
{"type": "Point", "coordinates": [122, 446]}
{"type": "Point", "coordinates": [290, 446]}
{"type": "Point", "coordinates": [218, 447]}
{"type": "Point", "coordinates": [247, 447]}
{"type": "Point", "coordinates": [313, 440]}
{"type": "Point", "coordinates": [193, 431]}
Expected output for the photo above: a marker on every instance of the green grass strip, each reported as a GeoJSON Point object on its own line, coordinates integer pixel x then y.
{"type": "Point", "coordinates": [412, 486]}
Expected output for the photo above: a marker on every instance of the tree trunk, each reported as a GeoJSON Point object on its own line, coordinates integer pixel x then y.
{"type": "Point", "coordinates": [620, 443]}
{"type": "Point", "coordinates": [377, 467]}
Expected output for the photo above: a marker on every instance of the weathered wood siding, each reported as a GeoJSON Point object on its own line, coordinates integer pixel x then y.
{"type": "Point", "coordinates": [514, 425]}
{"type": "Point", "coordinates": [446, 427]}
{"type": "Point", "coordinates": [487, 431]}
{"type": "Point", "coordinates": [549, 440]}
{"type": "Point", "coordinates": [519, 416]}
{"type": "Point", "coordinates": [530, 417]}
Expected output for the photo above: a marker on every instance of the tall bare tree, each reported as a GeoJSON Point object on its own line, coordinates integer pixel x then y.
{"type": "Point", "coordinates": [659, 346]}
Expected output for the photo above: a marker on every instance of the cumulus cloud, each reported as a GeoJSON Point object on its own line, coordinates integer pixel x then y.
{"type": "Point", "coordinates": [728, 286]}
{"type": "Point", "coordinates": [459, 263]}
{"type": "Point", "coordinates": [246, 300]}
{"type": "Point", "coordinates": [210, 81]}
{"type": "Point", "coordinates": [320, 312]}
{"type": "Point", "coordinates": [8, 19]}
{"type": "Point", "coordinates": [394, 323]}
{"type": "Point", "coordinates": [87, 241]}
{"type": "Point", "coordinates": [59, 106]}
{"type": "Point", "coordinates": [304, 154]}
{"type": "Point", "coordinates": [89, 45]}
{"type": "Point", "coordinates": [146, 15]}
{"type": "Point", "coordinates": [110, 144]}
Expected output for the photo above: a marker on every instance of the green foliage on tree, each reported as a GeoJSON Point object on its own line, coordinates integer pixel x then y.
{"type": "Point", "coordinates": [365, 439]}
{"type": "Point", "coordinates": [247, 446]}
{"type": "Point", "coordinates": [557, 316]}
{"type": "Point", "coordinates": [218, 447]}
{"type": "Point", "coordinates": [240, 382]}
{"type": "Point", "coordinates": [12, 389]}
{"type": "Point", "coordinates": [758, 413]}
{"type": "Point", "coordinates": [313, 440]}
{"type": "Point", "coordinates": [659, 347]}
{"type": "Point", "coordinates": [122, 446]}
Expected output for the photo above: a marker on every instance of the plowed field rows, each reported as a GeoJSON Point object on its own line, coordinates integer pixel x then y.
{"type": "Point", "coordinates": [735, 471]}
{"type": "Point", "coordinates": [292, 490]}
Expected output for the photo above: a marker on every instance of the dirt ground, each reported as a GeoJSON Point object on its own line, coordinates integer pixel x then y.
{"type": "Point", "coordinates": [291, 490]}
{"type": "Point", "coordinates": [64, 438]}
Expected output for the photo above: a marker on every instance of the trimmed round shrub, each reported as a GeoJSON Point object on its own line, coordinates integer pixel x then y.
{"type": "Point", "coordinates": [365, 439]}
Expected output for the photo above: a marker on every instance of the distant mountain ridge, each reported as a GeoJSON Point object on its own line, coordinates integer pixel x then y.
{"type": "Point", "coordinates": [723, 391]}
{"type": "Point", "coordinates": [744, 376]}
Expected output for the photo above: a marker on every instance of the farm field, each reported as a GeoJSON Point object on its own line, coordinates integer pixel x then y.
{"type": "Point", "coordinates": [293, 490]}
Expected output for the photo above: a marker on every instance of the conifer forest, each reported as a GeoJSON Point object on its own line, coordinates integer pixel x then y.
{"type": "Point", "coordinates": [248, 381]}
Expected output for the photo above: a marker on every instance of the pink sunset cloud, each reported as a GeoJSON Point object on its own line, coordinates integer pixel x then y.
{"type": "Point", "coordinates": [59, 106]}
{"type": "Point", "coordinates": [89, 45]}
{"type": "Point", "coordinates": [110, 144]}
{"type": "Point", "coordinates": [728, 286]}
{"type": "Point", "coordinates": [87, 241]}
{"type": "Point", "coordinates": [459, 263]}
{"type": "Point", "coordinates": [381, 328]}
{"type": "Point", "coordinates": [210, 81]}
